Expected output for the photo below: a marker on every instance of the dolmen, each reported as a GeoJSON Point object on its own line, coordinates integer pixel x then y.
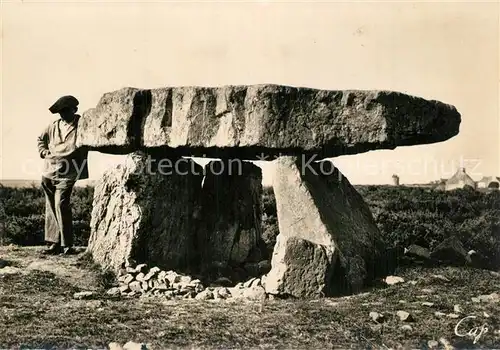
{"type": "Point", "coordinates": [162, 208]}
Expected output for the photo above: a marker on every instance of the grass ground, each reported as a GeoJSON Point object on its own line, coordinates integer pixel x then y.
{"type": "Point", "coordinates": [37, 310]}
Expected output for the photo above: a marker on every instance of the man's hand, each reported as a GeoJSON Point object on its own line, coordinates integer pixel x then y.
{"type": "Point", "coordinates": [44, 153]}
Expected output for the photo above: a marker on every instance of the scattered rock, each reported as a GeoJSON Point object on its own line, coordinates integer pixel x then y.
{"type": "Point", "coordinates": [115, 346]}
{"type": "Point", "coordinates": [440, 277]}
{"type": "Point", "coordinates": [248, 283]}
{"type": "Point", "coordinates": [475, 300]}
{"type": "Point", "coordinates": [391, 280]}
{"type": "Point", "coordinates": [223, 293]}
{"type": "Point", "coordinates": [490, 298]}
{"type": "Point", "coordinates": [439, 314]}
{"type": "Point", "coordinates": [426, 303]}
{"type": "Point", "coordinates": [418, 253]}
{"type": "Point", "coordinates": [254, 293]}
{"type": "Point", "coordinates": [205, 295]}
{"type": "Point", "coordinates": [83, 295]}
{"type": "Point", "coordinates": [115, 291]}
{"type": "Point", "coordinates": [135, 286]}
{"type": "Point", "coordinates": [407, 327]}
{"type": "Point", "coordinates": [377, 317]}
{"type": "Point", "coordinates": [452, 315]}
{"type": "Point", "coordinates": [412, 282]}
{"type": "Point", "coordinates": [173, 278]}
{"type": "Point", "coordinates": [128, 279]}
{"type": "Point", "coordinates": [404, 316]}
{"type": "Point", "coordinates": [10, 270]}
{"type": "Point", "coordinates": [162, 276]}
{"type": "Point", "coordinates": [124, 288]}
{"type": "Point", "coordinates": [446, 344]}
{"type": "Point", "coordinates": [427, 290]}
{"type": "Point", "coordinates": [185, 280]}
{"type": "Point", "coordinates": [135, 346]}
{"type": "Point", "coordinates": [130, 269]}
{"type": "Point", "coordinates": [141, 268]}
{"type": "Point", "coordinates": [486, 314]}
{"type": "Point", "coordinates": [432, 344]}
{"type": "Point", "coordinates": [236, 292]}
{"type": "Point", "coordinates": [457, 309]}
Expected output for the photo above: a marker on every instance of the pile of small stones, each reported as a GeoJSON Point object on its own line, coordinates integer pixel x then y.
{"type": "Point", "coordinates": [141, 281]}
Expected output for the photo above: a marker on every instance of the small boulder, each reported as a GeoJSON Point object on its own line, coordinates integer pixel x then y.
{"type": "Point", "coordinates": [173, 277]}
{"type": "Point", "coordinates": [441, 277]}
{"type": "Point", "coordinates": [205, 295]}
{"type": "Point", "coordinates": [489, 298]}
{"type": "Point", "coordinates": [432, 344]}
{"type": "Point", "coordinates": [135, 286]}
{"type": "Point", "coordinates": [124, 288]}
{"type": "Point", "coordinates": [135, 346]}
{"type": "Point", "coordinates": [404, 316]}
{"type": "Point", "coordinates": [391, 280]}
{"type": "Point", "coordinates": [141, 268]}
{"type": "Point", "coordinates": [127, 279]}
{"type": "Point", "coordinates": [254, 293]}
{"type": "Point", "coordinates": [115, 291]}
{"type": "Point", "coordinates": [223, 293]}
{"type": "Point", "coordinates": [418, 253]}
{"type": "Point", "coordinates": [83, 295]}
{"type": "Point", "coordinates": [130, 270]}
{"type": "Point", "coordinates": [407, 328]}
{"type": "Point", "coordinates": [115, 346]}
{"type": "Point", "coordinates": [377, 317]}
{"type": "Point", "coordinates": [248, 283]}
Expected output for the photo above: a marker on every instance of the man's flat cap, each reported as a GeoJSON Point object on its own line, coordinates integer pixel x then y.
{"type": "Point", "coordinates": [63, 102]}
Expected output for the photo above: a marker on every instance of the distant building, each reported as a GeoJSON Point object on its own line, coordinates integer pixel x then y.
{"type": "Point", "coordinates": [459, 180]}
{"type": "Point", "coordinates": [395, 180]}
{"type": "Point", "coordinates": [491, 182]}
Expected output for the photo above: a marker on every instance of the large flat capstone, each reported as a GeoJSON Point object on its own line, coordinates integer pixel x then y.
{"type": "Point", "coordinates": [258, 121]}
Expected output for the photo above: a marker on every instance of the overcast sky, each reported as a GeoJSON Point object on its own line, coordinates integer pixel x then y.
{"type": "Point", "coordinates": [443, 51]}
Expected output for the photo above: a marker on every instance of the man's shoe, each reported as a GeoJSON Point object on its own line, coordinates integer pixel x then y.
{"type": "Point", "coordinates": [52, 250]}
{"type": "Point", "coordinates": [69, 251]}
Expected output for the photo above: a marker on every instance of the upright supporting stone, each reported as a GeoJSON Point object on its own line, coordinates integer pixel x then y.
{"type": "Point", "coordinates": [143, 210]}
{"type": "Point", "coordinates": [231, 211]}
{"type": "Point", "coordinates": [328, 239]}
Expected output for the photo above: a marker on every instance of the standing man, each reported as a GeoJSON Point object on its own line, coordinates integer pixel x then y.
{"type": "Point", "coordinates": [64, 164]}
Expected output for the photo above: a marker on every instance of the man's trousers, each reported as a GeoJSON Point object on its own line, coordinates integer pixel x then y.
{"type": "Point", "coordinates": [58, 216]}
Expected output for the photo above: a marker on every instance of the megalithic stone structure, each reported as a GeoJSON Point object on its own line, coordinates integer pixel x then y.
{"type": "Point", "coordinates": [328, 241]}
